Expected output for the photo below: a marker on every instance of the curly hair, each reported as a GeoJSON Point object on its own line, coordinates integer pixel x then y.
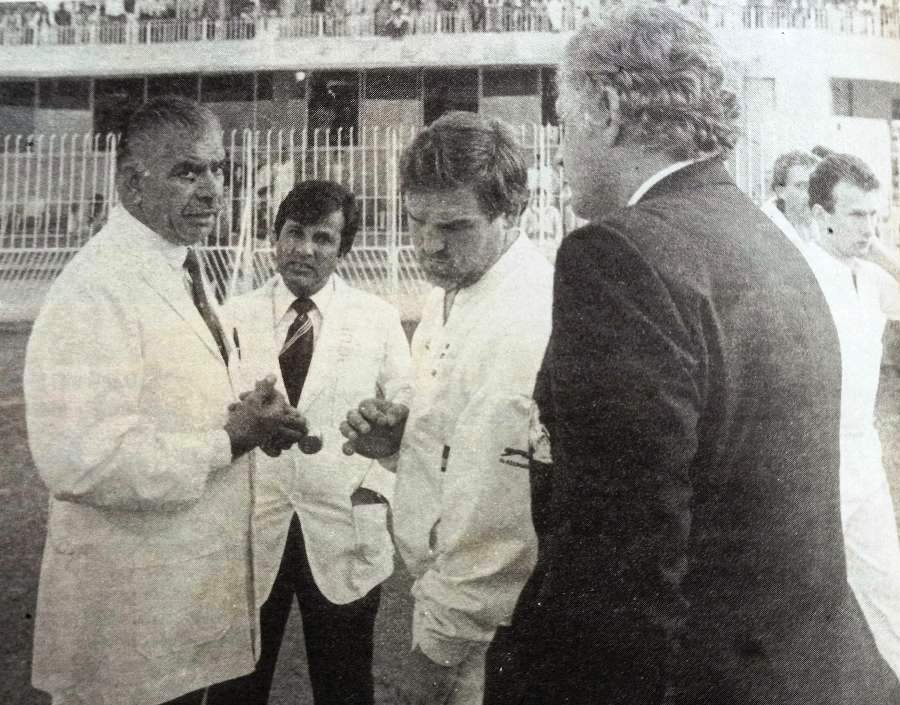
{"type": "Point", "coordinates": [668, 73]}
{"type": "Point", "coordinates": [464, 149]}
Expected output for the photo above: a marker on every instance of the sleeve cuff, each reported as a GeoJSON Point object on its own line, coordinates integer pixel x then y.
{"type": "Point", "coordinates": [219, 444]}
{"type": "Point", "coordinates": [445, 652]}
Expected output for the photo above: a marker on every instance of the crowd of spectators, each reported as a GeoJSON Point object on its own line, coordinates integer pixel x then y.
{"type": "Point", "coordinates": [131, 21]}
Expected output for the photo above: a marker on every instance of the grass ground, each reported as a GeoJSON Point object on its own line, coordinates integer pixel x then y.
{"type": "Point", "coordinates": [23, 509]}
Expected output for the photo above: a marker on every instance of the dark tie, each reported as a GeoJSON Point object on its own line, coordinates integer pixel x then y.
{"type": "Point", "coordinates": [192, 267]}
{"type": "Point", "coordinates": [297, 352]}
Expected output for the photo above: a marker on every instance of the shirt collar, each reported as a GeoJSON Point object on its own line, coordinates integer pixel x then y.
{"type": "Point", "coordinates": [284, 297]}
{"type": "Point", "coordinates": [173, 254]}
{"type": "Point", "coordinates": [509, 262]}
{"type": "Point", "coordinates": [659, 176]}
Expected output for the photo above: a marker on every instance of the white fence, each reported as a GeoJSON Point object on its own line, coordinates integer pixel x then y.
{"type": "Point", "coordinates": [56, 190]}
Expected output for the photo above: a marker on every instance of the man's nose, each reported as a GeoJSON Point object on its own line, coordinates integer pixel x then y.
{"type": "Point", "coordinates": [210, 188]}
{"type": "Point", "coordinates": [302, 246]}
{"type": "Point", "coordinates": [871, 226]}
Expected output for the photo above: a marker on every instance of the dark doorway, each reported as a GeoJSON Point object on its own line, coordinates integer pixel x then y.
{"type": "Point", "coordinates": [450, 89]}
{"type": "Point", "coordinates": [334, 106]}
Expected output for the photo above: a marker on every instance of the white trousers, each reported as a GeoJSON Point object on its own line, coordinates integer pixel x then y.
{"type": "Point", "coordinates": [871, 543]}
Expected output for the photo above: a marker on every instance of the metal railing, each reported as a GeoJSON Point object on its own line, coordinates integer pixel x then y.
{"type": "Point", "coordinates": [841, 18]}
{"type": "Point", "coordinates": [56, 191]}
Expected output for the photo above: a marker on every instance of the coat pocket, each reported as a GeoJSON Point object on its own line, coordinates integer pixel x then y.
{"type": "Point", "coordinates": [373, 543]}
{"type": "Point", "coordinates": [181, 604]}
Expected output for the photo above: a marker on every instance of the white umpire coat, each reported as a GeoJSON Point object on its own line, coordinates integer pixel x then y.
{"type": "Point", "coordinates": [462, 518]}
{"type": "Point", "coordinates": [144, 592]}
{"type": "Point", "coordinates": [360, 350]}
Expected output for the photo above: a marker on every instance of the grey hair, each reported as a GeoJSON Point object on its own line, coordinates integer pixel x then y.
{"type": "Point", "coordinates": [165, 111]}
{"type": "Point", "coordinates": [669, 75]}
{"type": "Point", "coordinates": [462, 149]}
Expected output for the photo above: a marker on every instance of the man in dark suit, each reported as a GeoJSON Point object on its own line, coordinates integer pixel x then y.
{"type": "Point", "coordinates": [690, 546]}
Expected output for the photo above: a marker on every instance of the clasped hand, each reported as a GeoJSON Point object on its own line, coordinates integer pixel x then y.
{"type": "Point", "coordinates": [375, 428]}
{"type": "Point", "coordinates": [263, 418]}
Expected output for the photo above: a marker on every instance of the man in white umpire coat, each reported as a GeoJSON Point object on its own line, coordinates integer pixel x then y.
{"type": "Point", "coordinates": [462, 516]}
{"type": "Point", "coordinates": [320, 531]}
{"type": "Point", "coordinates": [135, 428]}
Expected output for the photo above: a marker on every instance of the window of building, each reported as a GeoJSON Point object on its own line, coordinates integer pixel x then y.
{"type": "Point", "coordinates": [265, 85]}
{"type": "Point", "coordinates": [450, 89]}
{"type": "Point", "coordinates": [227, 88]}
{"type": "Point", "coordinates": [114, 100]}
{"type": "Point", "coordinates": [509, 82]}
{"type": "Point", "coordinates": [17, 93]}
{"type": "Point", "coordinates": [56, 94]}
{"type": "Point", "coordinates": [549, 94]}
{"type": "Point", "coordinates": [841, 96]}
{"type": "Point", "coordinates": [895, 109]}
{"type": "Point", "coordinates": [334, 105]}
{"type": "Point", "coordinates": [183, 85]}
{"type": "Point", "coordinates": [392, 85]}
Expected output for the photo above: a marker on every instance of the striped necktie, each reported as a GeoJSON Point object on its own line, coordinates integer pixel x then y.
{"type": "Point", "coordinates": [297, 351]}
{"type": "Point", "coordinates": [198, 293]}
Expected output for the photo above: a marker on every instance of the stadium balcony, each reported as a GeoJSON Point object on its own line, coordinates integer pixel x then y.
{"type": "Point", "coordinates": [864, 19]}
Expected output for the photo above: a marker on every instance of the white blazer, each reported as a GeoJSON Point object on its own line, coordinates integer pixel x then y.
{"type": "Point", "coordinates": [360, 349]}
{"type": "Point", "coordinates": [144, 584]}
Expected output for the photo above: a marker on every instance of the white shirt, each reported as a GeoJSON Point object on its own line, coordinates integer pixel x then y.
{"type": "Point", "coordinates": [462, 519]}
{"type": "Point", "coordinates": [284, 313]}
{"type": "Point", "coordinates": [860, 311]}
{"type": "Point", "coordinates": [659, 176]}
{"type": "Point", "coordinates": [861, 296]}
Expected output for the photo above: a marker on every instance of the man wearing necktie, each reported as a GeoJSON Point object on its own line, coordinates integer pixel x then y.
{"type": "Point", "coordinates": [320, 519]}
{"type": "Point", "coordinates": [137, 429]}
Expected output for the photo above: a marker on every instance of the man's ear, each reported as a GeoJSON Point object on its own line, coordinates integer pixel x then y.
{"type": "Point", "coordinates": [612, 121]}
{"type": "Point", "coordinates": [510, 221]}
{"type": "Point", "coordinates": [132, 178]}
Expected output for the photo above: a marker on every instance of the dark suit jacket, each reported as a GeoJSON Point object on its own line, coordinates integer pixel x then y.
{"type": "Point", "coordinates": [691, 548]}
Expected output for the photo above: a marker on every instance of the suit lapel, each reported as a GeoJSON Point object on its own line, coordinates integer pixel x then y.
{"type": "Point", "coordinates": [171, 288]}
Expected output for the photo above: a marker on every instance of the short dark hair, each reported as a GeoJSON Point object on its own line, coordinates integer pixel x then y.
{"type": "Point", "coordinates": [832, 170]}
{"type": "Point", "coordinates": [821, 151]}
{"type": "Point", "coordinates": [312, 201]}
{"type": "Point", "coordinates": [788, 161]}
{"type": "Point", "coordinates": [461, 149]}
{"type": "Point", "coordinates": [166, 110]}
